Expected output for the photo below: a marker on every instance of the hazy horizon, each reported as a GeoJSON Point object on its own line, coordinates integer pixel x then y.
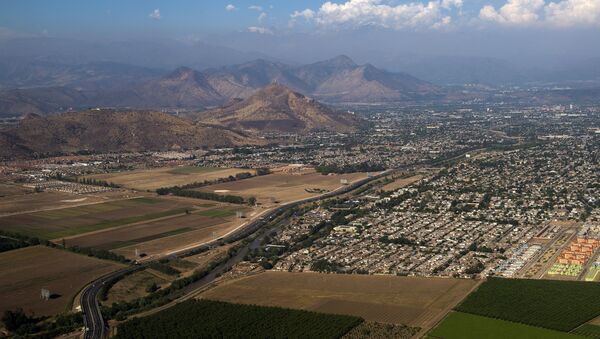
{"type": "Point", "coordinates": [527, 33]}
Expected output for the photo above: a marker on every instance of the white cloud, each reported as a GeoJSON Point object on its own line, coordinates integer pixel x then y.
{"type": "Point", "coordinates": [155, 14]}
{"type": "Point", "coordinates": [564, 13]}
{"type": "Point", "coordinates": [515, 12]}
{"type": "Point", "coordinates": [306, 14]}
{"type": "Point", "coordinates": [573, 12]}
{"type": "Point", "coordinates": [256, 8]}
{"type": "Point", "coordinates": [356, 13]}
{"type": "Point", "coordinates": [452, 3]}
{"type": "Point", "coordinates": [260, 30]}
{"type": "Point", "coordinates": [230, 8]}
{"type": "Point", "coordinates": [262, 17]}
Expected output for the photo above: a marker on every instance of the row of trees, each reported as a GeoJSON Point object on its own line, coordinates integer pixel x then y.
{"type": "Point", "coordinates": [178, 191]}
{"type": "Point", "coordinates": [25, 325]}
{"type": "Point", "coordinates": [87, 181]}
{"type": "Point", "coordinates": [352, 168]}
{"type": "Point", "coordinates": [215, 319]}
{"type": "Point", "coordinates": [24, 241]}
{"type": "Point", "coordinates": [156, 298]}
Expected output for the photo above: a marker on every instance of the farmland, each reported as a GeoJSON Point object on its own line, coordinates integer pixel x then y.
{"type": "Point", "coordinates": [282, 187]}
{"type": "Point", "coordinates": [59, 223]}
{"type": "Point", "coordinates": [224, 320]}
{"type": "Point", "coordinates": [15, 199]}
{"type": "Point", "coordinates": [413, 301]}
{"type": "Point", "coordinates": [27, 270]}
{"type": "Point", "coordinates": [151, 179]}
{"type": "Point", "coordinates": [373, 330]}
{"type": "Point", "coordinates": [168, 226]}
{"type": "Point", "coordinates": [559, 305]}
{"type": "Point", "coordinates": [459, 325]}
{"type": "Point", "coordinates": [588, 330]}
{"type": "Point", "coordinates": [193, 228]}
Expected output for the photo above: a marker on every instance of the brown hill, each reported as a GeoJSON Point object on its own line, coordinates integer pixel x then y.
{"type": "Point", "coordinates": [369, 84]}
{"type": "Point", "coordinates": [183, 88]}
{"type": "Point", "coordinates": [278, 108]}
{"type": "Point", "coordinates": [112, 131]}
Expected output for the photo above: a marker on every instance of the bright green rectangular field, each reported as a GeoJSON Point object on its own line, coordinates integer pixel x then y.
{"type": "Point", "coordinates": [458, 325]}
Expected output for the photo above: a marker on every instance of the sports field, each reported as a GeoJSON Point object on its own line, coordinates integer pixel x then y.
{"type": "Point", "coordinates": [414, 301]}
{"type": "Point", "coordinates": [282, 187]}
{"type": "Point", "coordinates": [151, 179]}
{"type": "Point", "coordinates": [459, 325]}
{"type": "Point", "coordinates": [27, 270]}
{"type": "Point", "coordinates": [66, 222]}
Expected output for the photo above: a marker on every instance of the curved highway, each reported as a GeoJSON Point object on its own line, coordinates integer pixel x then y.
{"type": "Point", "coordinates": [95, 327]}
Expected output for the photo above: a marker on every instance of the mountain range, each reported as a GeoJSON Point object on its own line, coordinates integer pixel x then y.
{"type": "Point", "coordinates": [335, 80]}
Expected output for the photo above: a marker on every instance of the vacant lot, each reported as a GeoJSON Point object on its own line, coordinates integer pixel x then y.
{"type": "Point", "coordinates": [402, 182]}
{"type": "Point", "coordinates": [469, 326]}
{"type": "Point", "coordinates": [151, 179]}
{"type": "Point", "coordinates": [413, 301]}
{"type": "Point", "coordinates": [133, 286]}
{"type": "Point", "coordinates": [282, 187]}
{"type": "Point", "coordinates": [27, 270]}
{"type": "Point", "coordinates": [559, 305]}
{"type": "Point", "coordinates": [204, 258]}
{"type": "Point", "coordinates": [65, 222]}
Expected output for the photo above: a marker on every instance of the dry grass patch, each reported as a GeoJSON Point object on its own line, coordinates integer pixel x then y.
{"type": "Point", "coordinates": [414, 301]}
{"type": "Point", "coordinates": [282, 187]}
{"type": "Point", "coordinates": [133, 286]}
{"type": "Point", "coordinates": [151, 179]}
{"type": "Point", "coordinates": [402, 182]}
{"type": "Point", "coordinates": [27, 270]}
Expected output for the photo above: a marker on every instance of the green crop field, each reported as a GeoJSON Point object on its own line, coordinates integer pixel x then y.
{"type": "Point", "coordinates": [218, 213]}
{"type": "Point", "coordinates": [559, 305]}
{"type": "Point", "coordinates": [65, 222]}
{"type": "Point", "coordinates": [215, 319]}
{"type": "Point", "coordinates": [193, 169]}
{"type": "Point", "coordinates": [588, 330]}
{"type": "Point", "coordinates": [459, 325]}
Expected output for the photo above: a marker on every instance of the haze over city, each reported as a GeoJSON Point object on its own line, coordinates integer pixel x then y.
{"type": "Point", "coordinates": [300, 169]}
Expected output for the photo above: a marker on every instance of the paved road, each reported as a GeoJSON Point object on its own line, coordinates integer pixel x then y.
{"type": "Point", "coordinates": [95, 327]}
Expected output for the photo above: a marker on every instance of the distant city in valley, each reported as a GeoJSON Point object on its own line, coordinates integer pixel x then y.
{"type": "Point", "coordinates": [343, 169]}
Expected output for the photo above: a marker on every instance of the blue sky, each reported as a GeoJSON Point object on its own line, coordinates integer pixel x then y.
{"type": "Point", "coordinates": [134, 17]}
{"type": "Point", "coordinates": [294, 29]}
{"type": "Point", "coordinates": [67, 17]}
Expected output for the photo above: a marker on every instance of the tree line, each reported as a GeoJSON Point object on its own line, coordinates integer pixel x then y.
{"type": "Point", "coordinates": [216, 319]}
{"type": "Point", "coordinates": [87, 181]}
{"type": "Point", "coordinates": [351, 168]}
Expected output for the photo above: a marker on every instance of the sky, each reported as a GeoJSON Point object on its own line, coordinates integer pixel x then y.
{"type": "Point", "coordinates": [289, 29]}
